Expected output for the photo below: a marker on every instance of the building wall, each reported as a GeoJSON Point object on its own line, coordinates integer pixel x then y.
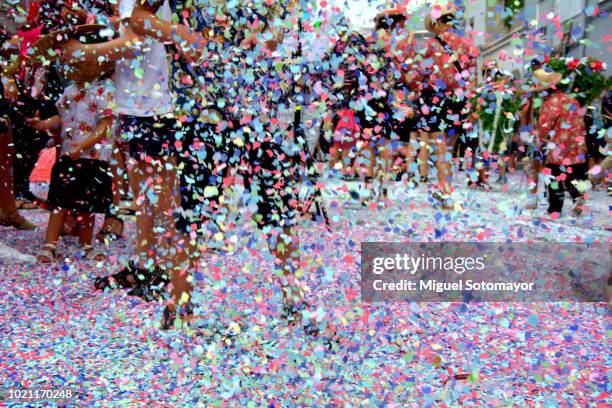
{"type": "Point", "coordinates": [590, 35]}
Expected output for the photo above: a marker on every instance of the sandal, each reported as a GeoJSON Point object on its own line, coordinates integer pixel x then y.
{"type": "Point", "coordinates": [47, 254]}
{"type": "Point", "coordinates": [578, 207]}
{"type": "Point", "coordinates": [170, 317]}
{"type": "Point", "coordinates": [108, 230]}
{"type": "Point", "coordinates": [15, 220]}
{"type": "Point", "coordinates": [26, 205]}
{"type": "Point", "coordinates": [128, 277]}
{"type": "Point", "coordinates": [90, 253]}
{"type": "Point", "coordinates": [533, 202]}
{"type": "Point", "coordinates": [442, 200]}
{"type": "Point", "coordinates": [153, 288]}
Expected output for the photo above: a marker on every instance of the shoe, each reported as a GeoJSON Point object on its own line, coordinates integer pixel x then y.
{"type": "Point", "coordinates": [9, 256]}
{"type": "Point", "coordinates": [47, 254]}
{"type": "Point", "coordinates": [15, 220]}
{"type": "Point", "coordinates": [129, 277]}
{"type": "Point", "coordinates": [533, 202]}
{"type": "Point", "coordinates": [169, 317]}
{"type": "Point", "coordinates": [578, 207]}
{"type": "Point", "coordinates": [443, 201]}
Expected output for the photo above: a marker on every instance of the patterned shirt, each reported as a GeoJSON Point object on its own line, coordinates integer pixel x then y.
{"type": "Point", "coordinates": [438, 68]}
{"type": "Point", "coordinates": [561, 127]}
{"type": "Point", "coordinates": [81, 111]}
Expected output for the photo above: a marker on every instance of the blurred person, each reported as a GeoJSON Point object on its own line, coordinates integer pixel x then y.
{"type": "Point", "coordinates": [446, 79]}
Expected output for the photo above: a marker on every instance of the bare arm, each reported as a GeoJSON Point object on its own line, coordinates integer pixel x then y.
{"type": "Point", "coordinates": [145, 23]}
{"type": "Point", "coordinates": [112, 51]}
{"type": "Point", "coordinates": [54, 123]}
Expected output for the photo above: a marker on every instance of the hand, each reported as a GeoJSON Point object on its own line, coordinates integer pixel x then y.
{"type": "Point", "coordinates": [37, 123]}
{"type": "Point", "coordinates": [75, 150]}
{"type": "Point", "coordinates": [194, 47]}
{"type": "Point", "coordinates": [11, 92]}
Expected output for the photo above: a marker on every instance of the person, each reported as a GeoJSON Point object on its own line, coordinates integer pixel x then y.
{"type": "Point", "coordinates": [562, 131]}
{"type": "Point", "coordinates": [397, 50]}
{"type": "Point", "coordinates": [9, 213]}
{"type": "Point", "coordinates": [217, 66]}
{"type": "Point", "coordinates": [496, 109]}
{"type": "Point", "coordinates": [341, 126]}
{"type": "Point", "coordinates": [533, 161]}
{"type": "Point", "coordinates": [81, 184]}
{"type": "Point", "coordinates": [146, 124]}
{"type": "Point", "coordinates": [27, 94]}
{"type": "Point", "coordinates": [445, 80]}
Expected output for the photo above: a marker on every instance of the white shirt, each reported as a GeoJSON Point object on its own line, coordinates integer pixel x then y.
{"type": "Point", "coordinates": [142, 82]}
{"type": "Point", "coordinates": [81, 111]}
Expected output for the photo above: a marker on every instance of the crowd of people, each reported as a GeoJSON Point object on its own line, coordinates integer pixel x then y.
{"type": "Point", "coordinates": [175, 103]}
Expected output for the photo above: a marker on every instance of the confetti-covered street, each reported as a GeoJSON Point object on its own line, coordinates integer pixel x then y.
{"type": "Point", "coordinates": [57, 331]}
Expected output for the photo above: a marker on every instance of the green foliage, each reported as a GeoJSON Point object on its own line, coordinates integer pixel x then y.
{"type": "Point", "coordinates": [485, 105]}
{"type": "Point", "coordinates": [514, 7]}
{"type": "Point", "coordinates": [582, 77]}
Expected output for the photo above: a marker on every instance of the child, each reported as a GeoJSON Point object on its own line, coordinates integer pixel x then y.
{"type": "Point", "coordinates": [561, 128]}
{"type": "Point", "coordinates": [81, 183]}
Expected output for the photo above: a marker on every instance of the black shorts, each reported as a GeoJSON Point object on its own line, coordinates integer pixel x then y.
{"type": "Point", "coordinates": [151, 136]}
{"type": "Point", "coordinates": [204, 162]}
{"type": "Point", "coordinates": [443, 113]}
{"type": "Point", "coordinates": [82, 185]}
{"type": "Point", "coordinates": [595, 145]}
{"type": "Point", "coordinates": [402, 129]}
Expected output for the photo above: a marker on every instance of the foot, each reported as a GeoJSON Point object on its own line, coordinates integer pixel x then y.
{"type": "Point", "coordinates": [90, 253]}
{"type": "Point", "coordinates": [533, 202]}
{"type": "Point", "coordinates": [47, 254]}
{"type": "Point", "coordinates": [111, 230]}
{"type": "Point", "coordinates": [443, 200]}
{"type": "Point", "coordinates": [128, 277]}
{"type": "Point", "coordinates": [25, 205]}
{"type": "Point", "coordinates": [176, 316]}
{"type": "Point", "coordinates": [16, 220]}
{"type": "Point", "coordinates": [578, 207]}
{"type": "Point", "coordinates": [153, 288]}
{"type": "Point", "coordinates": [9, 256]}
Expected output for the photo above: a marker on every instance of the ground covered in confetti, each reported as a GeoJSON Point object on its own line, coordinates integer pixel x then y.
{"type": "Point", "coordinates": [56, 331]}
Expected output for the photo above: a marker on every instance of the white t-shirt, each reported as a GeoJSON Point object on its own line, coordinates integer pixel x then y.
{"type": "Point", "coordinates": [142, 82]}
{"type": "Point", "coordinates": [81, 111]}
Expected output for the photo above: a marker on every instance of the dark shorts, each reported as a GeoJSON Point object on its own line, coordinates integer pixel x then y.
{"type": "Point", "coordinates": [595, 146]}
{"type": "Point", "coordinates": [83, 185]}
{"type": "Point", "coordinates": [402, 129]}
{"type": "Point", "coordinates": [466, 142]}
{"type": "Point", "coordinates": [148, 136]}
{"type": "Point", "coordinates": [204, 162]}
{"type": "Point", "coordinates": [444, 113]}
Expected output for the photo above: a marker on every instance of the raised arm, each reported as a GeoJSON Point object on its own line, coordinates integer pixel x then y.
{"type": "Point", "coordinates": [111, 51]}
{"type": "Point", "coordinates": [145, 23]}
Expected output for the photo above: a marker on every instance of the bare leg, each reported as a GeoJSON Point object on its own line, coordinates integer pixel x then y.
{"type": "Point", "coordinates": [7, 194]}
{"type": "Point", "coordinates": [167, 203]}
{"type": "Point", "coordinates": [8, 211]}
{"type": "Point", "coordinates": [54, 228]}
{"type": "Point", "coordinates": [423, 154]}
{"type": "Point", "coordinates": [86, 226]}
{"type": "Point", "coordinates": [442, 163]}
{"type": "Point", "coordinates": [186, 259]}
{"type": "Point", "coordinates": [385, 159]}
{"type": "Point", "coordinates": [142, 182]}
{"type": "Point", "coordinates": [287, 262]}
{"type": "Point", "coordinates": [110, 222]}
{"type": "Point", "coordinates": [536, 167]}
